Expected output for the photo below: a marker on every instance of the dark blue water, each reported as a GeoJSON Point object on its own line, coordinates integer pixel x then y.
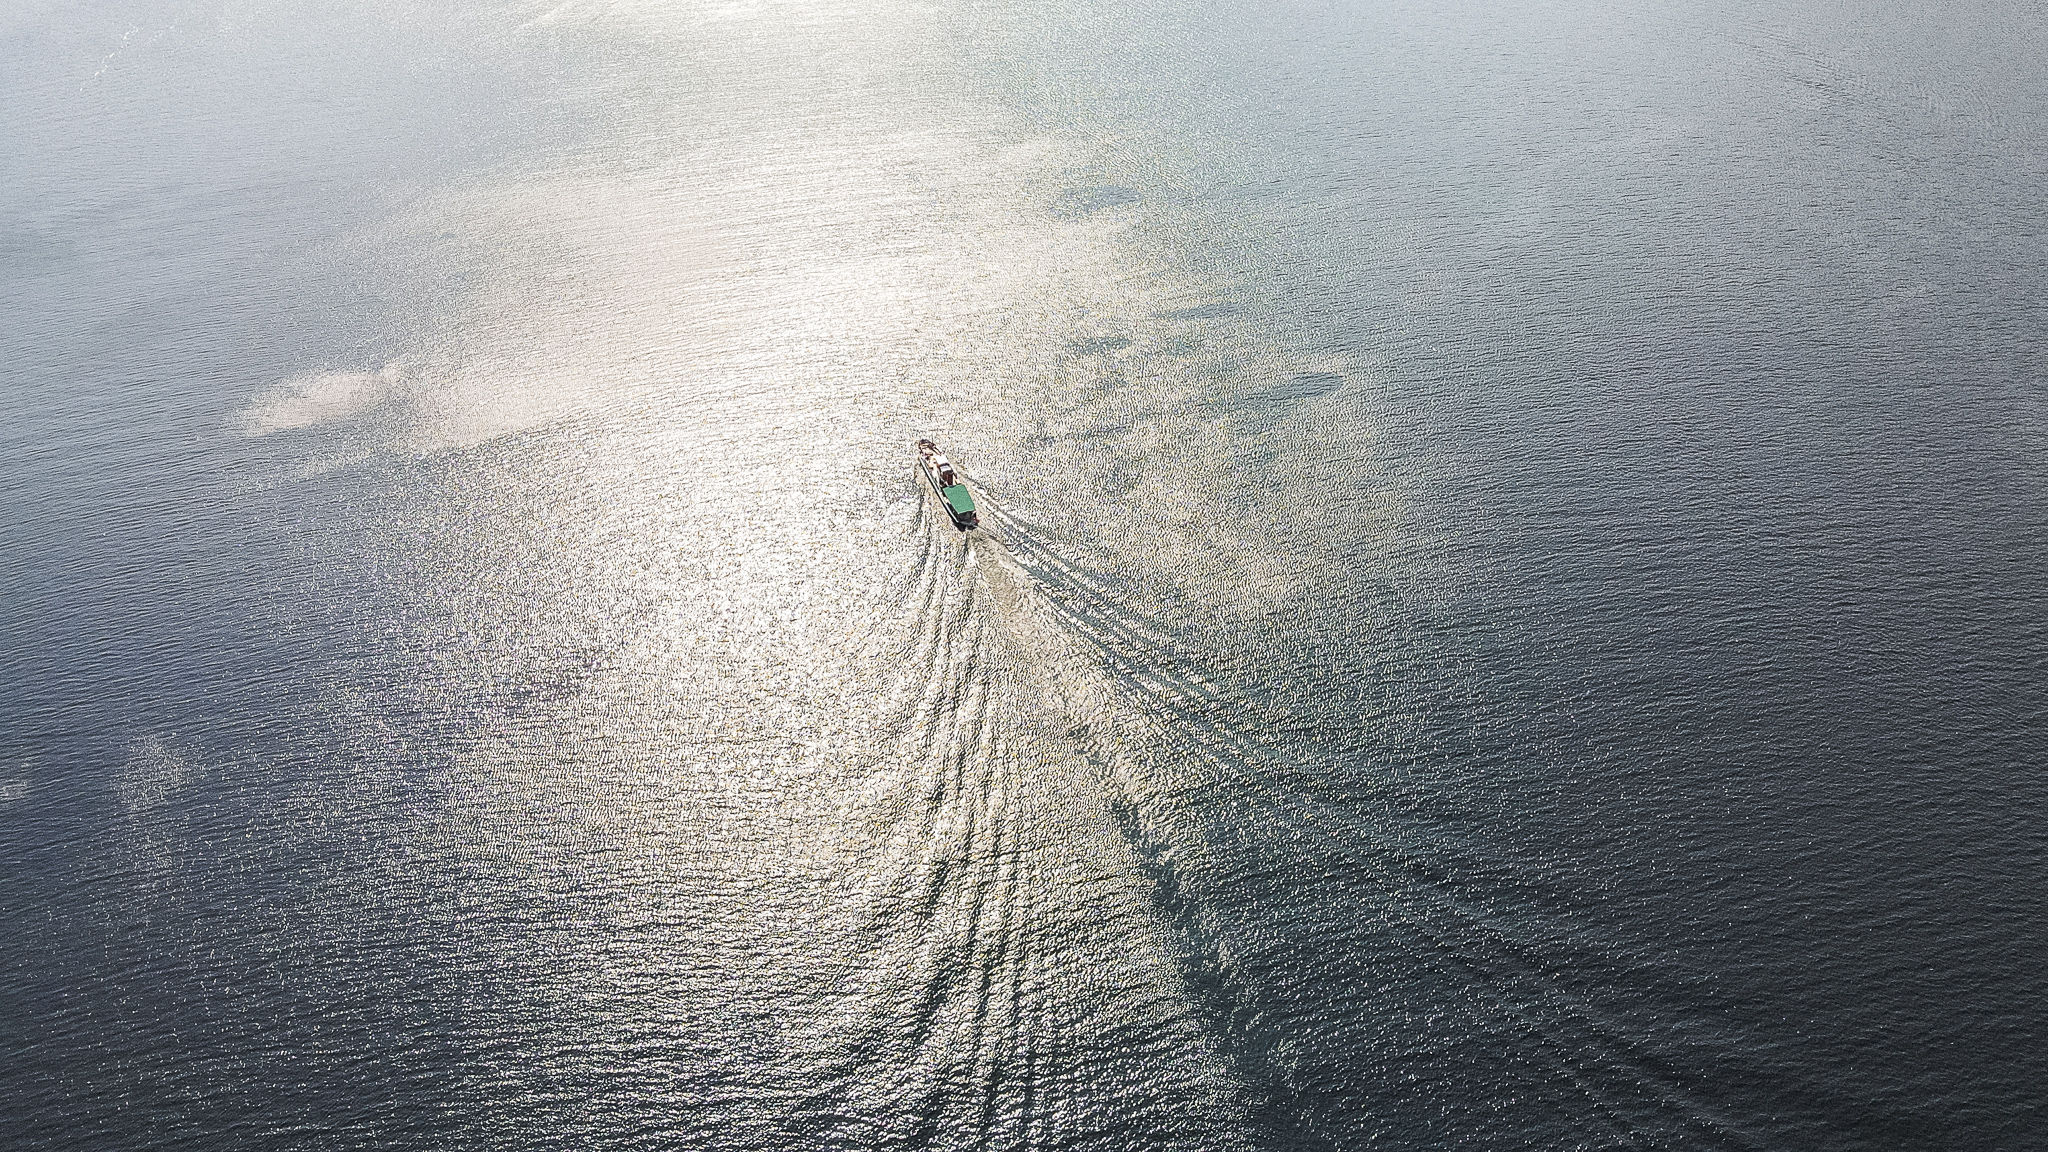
{"type": "Point", "coordinates": [1510, 611]}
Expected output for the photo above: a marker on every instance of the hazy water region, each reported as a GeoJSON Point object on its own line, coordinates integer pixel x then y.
{"type": "Point", "coordinates": [1509, 614]}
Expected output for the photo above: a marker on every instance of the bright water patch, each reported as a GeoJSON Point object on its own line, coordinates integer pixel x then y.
{"type": "Point", "coordinates": [1506, 613]}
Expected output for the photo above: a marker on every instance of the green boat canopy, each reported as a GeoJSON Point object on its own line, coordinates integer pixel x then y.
{"type": "Point", "coordinates": [958, 500]}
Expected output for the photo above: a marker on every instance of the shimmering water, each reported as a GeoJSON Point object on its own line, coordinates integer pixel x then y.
{"type": "Point", "coordinates": [1511, 612]}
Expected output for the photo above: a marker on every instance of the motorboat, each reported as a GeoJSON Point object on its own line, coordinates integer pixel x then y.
{"type": "Point", "coordinates": [945, 481]}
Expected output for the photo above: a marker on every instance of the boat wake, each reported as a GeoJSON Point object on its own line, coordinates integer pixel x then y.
{"type": "Point", "coordinates": [1091, 869]}
{"type": "Point", "coordinates": [1005, 977]}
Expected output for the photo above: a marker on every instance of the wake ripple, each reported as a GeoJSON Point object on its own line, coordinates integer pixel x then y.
{"type": "Point", "coordinates": [1051, 919]}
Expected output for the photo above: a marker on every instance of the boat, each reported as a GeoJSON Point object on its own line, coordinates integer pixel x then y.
{"type": "Point", "coordinates": [953, 495]}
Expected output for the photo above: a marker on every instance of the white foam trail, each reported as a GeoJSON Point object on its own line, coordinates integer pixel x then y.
{"type": "Point", "coordinates": [304, 401]}
{"type": "Point", "coordinates": [152, 776]}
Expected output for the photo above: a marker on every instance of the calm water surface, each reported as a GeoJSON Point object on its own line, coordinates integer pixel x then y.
{"type": "Point", "coordinates": [1510, 615]}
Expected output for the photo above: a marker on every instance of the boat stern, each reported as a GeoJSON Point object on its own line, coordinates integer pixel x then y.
{"type": "Point", "coordinates": [960, 505]}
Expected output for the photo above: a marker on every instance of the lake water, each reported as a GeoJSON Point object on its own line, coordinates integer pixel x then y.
{"type": "Point", "coordinates": [1512, 610]}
